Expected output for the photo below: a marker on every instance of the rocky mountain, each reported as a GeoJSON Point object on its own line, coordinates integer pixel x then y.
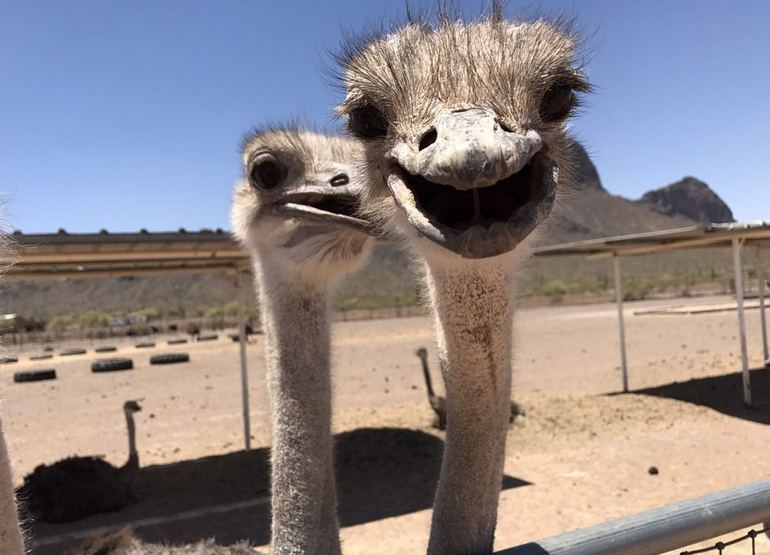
{"type": "Point", "coordinates": [691, 198]}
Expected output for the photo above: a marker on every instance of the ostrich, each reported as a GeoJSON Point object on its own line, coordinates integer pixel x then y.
{"type": "Point", "coordinates": [466, 151]}
{"type": "Point", "coordinates": [11, 538]}
{"type": "Point", "coordinates": [77, 487]}
{"type": "Point", "coordinates": [295, 212]}
{"type": "Point", "coordinates": [438, 403]}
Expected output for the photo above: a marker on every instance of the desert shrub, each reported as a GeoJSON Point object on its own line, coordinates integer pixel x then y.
{"type": "Point", "coordinates": [60, 323]}
{"type": "Point", "coordinates": [150, 313]}
{"type": "Point", "coordinates": [92, 319]}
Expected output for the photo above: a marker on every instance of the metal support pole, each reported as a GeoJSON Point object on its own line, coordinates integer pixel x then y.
{"type": "Point", "coordinates": [244, 362]}
{"type": "Point", "coordinates": [663, 529]}
{"type": "Point", "coordinates": [621, 321]}
{"type": "Point", "coordinates": [760, 271]}
{"type": "Point", "coordinates": [738, 269]}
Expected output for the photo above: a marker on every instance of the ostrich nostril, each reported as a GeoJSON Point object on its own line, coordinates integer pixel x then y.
{"type": "Point", "coordinates": [339, 179]}
{"type": "Point", "coordinates": [428, 138]}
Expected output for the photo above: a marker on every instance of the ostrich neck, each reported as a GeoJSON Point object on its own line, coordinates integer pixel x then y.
{"type": "Point", "coordinates": [303, 490]}
{"type": "Point", "coordinates": [11, 540]}
{"type": "Point", "coordinates": [133, 454]}
{"type": "Point", "coordinates": [473, 314]}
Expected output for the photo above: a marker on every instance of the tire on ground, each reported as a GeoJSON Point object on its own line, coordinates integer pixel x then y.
{"type": "Point", "coordinates": [34, 375]}
{"type": "Point", "coordinates": [208, 337]}
{"type": "Point", "coordinates": [178, 341]}
{"type": "Point", "coordinates": [145, 345]}
{"type": "Point", "coordinates": [73, 351]}
{"type": "Point", "coordinates": [112, 364]}
{"type": "Point", "coordinates": [44, 356]}
{"type": "Point", "coordinates": [7, 359]}
{"type": "Point", "coordinates": [106, 349]}
{"type": "Point", "coordinates": [170, 358]}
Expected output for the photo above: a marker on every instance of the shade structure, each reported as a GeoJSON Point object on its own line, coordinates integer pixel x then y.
{"type": "Point", "coordinates": [104, 254]}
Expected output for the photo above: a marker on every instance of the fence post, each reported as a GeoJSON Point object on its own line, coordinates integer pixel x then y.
{"type": "Point", "coordinates": [621, 321]}
{"type": "Point", "coordinates": [738, 270]}
{"type": "Point", "coordinates": [760, 272]}
{"type": "Point", "coordinates": [244, 361]}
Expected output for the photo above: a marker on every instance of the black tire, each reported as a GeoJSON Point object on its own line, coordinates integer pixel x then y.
{"type": "Point", "coordinates": [48, 349]}
{"type": "Point", "coordinates": [34, 376]}
{"type": "Point", "coordinates": [208, 337]}
{"type": "Point", "coordinates": [112, 365]}
{"type": "Point", "coordinates": [44, 356]}
{"type": "Point", "coordinates": [170, 358]}
{"type": "Point", "coordinates": [8, 359]}
{"type": "Point", "coordinates": [179, 341]}
{"type": "Point", "coordinates": [73, 351]}
{"type": "Point", "coordinates": [106, 349]}
{"type": "Point", "coordinates": [145, 345]}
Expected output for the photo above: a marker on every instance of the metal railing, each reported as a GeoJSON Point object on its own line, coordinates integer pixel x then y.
{"type": "Point", "coordinates": [666, 528]}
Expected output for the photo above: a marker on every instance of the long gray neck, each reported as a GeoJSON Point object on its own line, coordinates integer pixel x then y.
{"type": "Point", "coordinates": [473, 311]}
{"type": "Point", "coordinates": [11, 539]}
{"type": "Point", "coordinates": [133, 454]}
{"type": "Point", "coordinates": [303, 491]}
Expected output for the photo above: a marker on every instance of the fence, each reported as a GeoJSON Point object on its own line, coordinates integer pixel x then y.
{"type": "Point", "coordinates": [667, 528]}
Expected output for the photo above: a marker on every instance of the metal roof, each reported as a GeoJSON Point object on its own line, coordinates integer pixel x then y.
{"type": "Point", "coordinates": [49, 256]}
{"type": "Point", "coordinates": [684, 238]}
{"type": "Point", "coordinates": [46, 256]}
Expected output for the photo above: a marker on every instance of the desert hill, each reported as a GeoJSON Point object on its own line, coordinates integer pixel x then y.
{"type": "Point", "coordinates": [589, 212]}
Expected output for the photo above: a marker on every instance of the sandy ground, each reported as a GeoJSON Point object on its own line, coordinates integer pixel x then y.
{"type": "Point", "coordinates": [580, 455]}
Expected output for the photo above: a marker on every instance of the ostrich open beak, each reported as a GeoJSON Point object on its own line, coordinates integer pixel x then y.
{"type": "Point", "coordinates": [475, 188]}
{"type": "Point", "coordinates": [324, 203]}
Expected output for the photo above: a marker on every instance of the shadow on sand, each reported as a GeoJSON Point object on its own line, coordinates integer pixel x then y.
{"type": "Point", "coordinates": [722, 393]}
{"type": "Point", "coordinates": [381, 472]}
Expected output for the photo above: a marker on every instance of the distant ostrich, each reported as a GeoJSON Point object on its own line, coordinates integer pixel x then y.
{"type": "Point", "coordinates": [295, 212]}
{"type": "Point", "coordinates": [438, 403]}
{"type": "Point", "coordinates": [463, 125]}
{"type": "Point", "coordinates": [77, 487]}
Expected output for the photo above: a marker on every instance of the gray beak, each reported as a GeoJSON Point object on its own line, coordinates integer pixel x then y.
{"type": "Point", "coordinates": [471, 150]}
{"type": "Point", "coordinates": [324, 203]}
{"type": "Point", "coordinates": [474, 187]}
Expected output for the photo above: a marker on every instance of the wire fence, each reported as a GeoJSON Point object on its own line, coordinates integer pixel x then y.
{"type": "Point", "coordinates": [722, 547]}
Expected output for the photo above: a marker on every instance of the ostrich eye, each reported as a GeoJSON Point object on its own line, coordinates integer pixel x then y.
{"type": "Point", "coordinates": [367, 122]}
{"type": "Point", "coordinates": [557, 103]}
{"type": "Point", "coordinates": [266, 172]}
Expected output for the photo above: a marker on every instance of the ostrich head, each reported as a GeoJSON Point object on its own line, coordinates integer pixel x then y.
{"type": "Point", "coordinates": [463, 125]}
{"type": "Point", "coordinates": [131, 407]}
{"type": "Point", "coordinates": [298, 202]}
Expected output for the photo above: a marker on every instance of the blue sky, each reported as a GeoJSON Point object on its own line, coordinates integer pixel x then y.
{"type": "Point", "coordinates": [128, 115]}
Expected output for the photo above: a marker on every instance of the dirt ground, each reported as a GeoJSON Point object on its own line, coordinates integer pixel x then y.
{"type": "Point", "coordinates": [580, 456]}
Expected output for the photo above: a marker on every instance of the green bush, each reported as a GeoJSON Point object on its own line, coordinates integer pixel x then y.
{"type": "Point", "coordinates": [60, 323]}
{"type": "Point", "coordinates": [150, 313]}
{"type": "Point", "coordinates": [92, 319]}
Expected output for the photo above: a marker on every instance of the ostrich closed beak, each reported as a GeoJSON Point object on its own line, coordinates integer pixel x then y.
{"type": "Point", "coordinates": [325, 203]}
